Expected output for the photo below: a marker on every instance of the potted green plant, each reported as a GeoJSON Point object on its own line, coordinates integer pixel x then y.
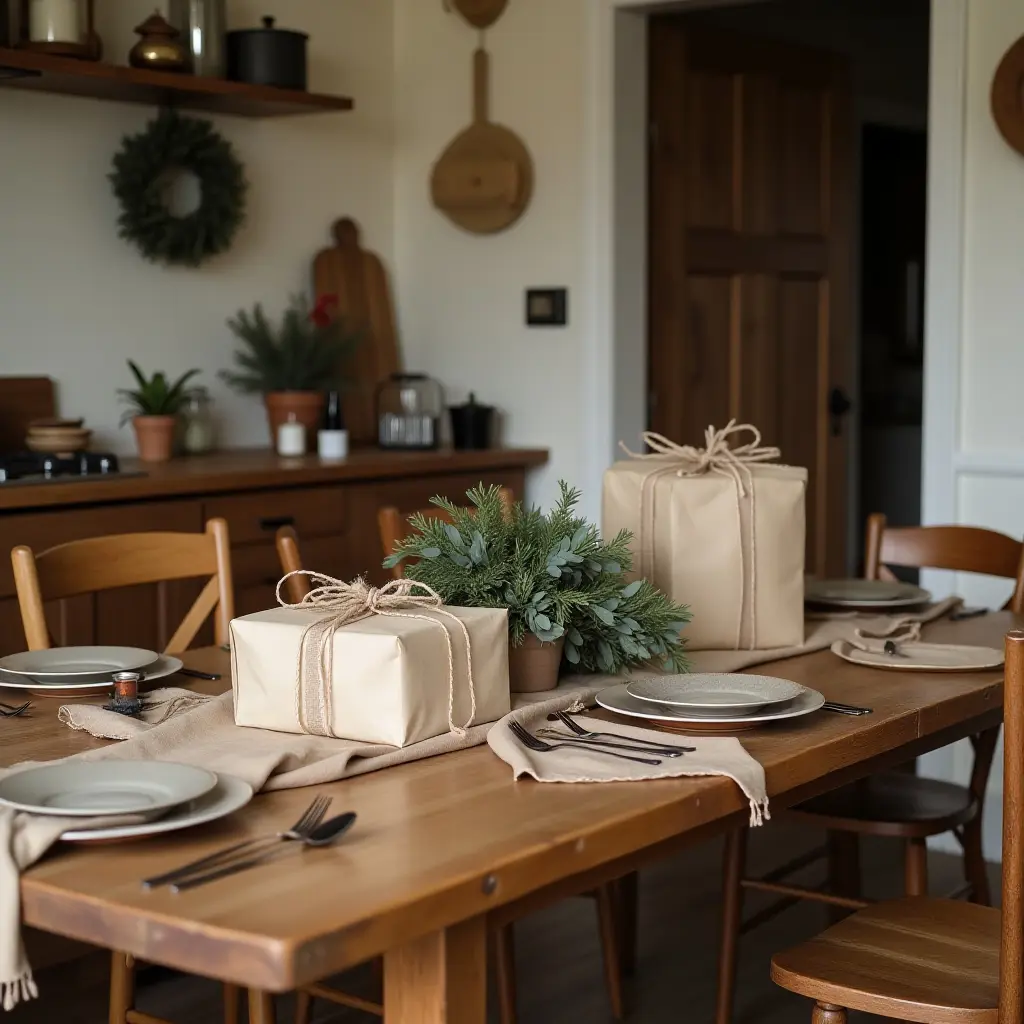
{"type": "Point", "coordinates": [293, 364]}
{"type": "Point", "coordinates": [567, 590]}
{"type": "Point", "coordinates": [153, 407]}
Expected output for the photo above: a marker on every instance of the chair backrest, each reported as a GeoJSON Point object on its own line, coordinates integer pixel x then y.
{"type": "Point", "coordinates": [1011, 960]}
{"type": "Point", "coordinates": [959, 548]}
{"type": "Point", "coordinates": [125, 560]}
{"type": "Point", "coordinates": [394, 526]}
{"type": "Point", "coordinates": [287, 542]}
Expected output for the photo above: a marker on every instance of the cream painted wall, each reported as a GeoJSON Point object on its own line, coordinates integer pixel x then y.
{"type": "Point", "coordinates": [461, 296]}
{"type": "Point", "coordinates": [75, 301]}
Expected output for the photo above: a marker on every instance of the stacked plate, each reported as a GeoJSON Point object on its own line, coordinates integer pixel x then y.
{"type": "Point", "coordinates": [151, 796]}
{"type": "Point", "coordinates": [80, 671]}
{"type": "Point", "coordinates": [711, 701]}
{"type": "Point", "coordinates": [864, 595]}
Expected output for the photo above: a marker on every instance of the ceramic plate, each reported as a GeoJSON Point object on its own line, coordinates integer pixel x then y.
{"type": "Point", "coordinates": [727, 693]}
{"type": "Point", "coordinates": [58, 662]}
{"type": "Point", "coordinates": [225, 798]}
{"type": "Point", "coordinates": [874, 594]}
{"type": "Point", "coordinates": [922, 657]}
{"type": "Point", "coordinates": [94, 788]}
{"type": "Point", "coordinates": [164, 666]}
{"type": "Point", "coordinates": [619, 700]}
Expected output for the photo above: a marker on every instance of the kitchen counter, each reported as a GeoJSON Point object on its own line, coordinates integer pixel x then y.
{"type": "Point", "coordinates": [332, 506]}
{"type": "Point", "coordinates": [253, 469]}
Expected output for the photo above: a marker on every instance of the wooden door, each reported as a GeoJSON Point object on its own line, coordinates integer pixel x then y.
{"type": "Point", "coordinates": [750, 254]}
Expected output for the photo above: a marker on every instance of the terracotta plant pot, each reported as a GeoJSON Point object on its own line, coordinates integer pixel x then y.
{"type": "Point", "coordinates": [306, 407]}
{"type": "Point", "coordinates": [154, 436]}
{"type": "Point", "coordinates": [533, 665]}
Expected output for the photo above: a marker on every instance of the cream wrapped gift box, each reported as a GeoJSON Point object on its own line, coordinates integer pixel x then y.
{"type": "Point", "coordinates": [398, 674]}
{"type": "Point", "coordinates": [719, 529]}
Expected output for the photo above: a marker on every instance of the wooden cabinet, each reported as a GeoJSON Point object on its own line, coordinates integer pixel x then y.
{"type": "Point", "coordinates": [334, 512]}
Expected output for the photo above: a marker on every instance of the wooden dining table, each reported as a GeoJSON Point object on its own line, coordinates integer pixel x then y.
{"type": "Point", "coordinates": [448, 845]}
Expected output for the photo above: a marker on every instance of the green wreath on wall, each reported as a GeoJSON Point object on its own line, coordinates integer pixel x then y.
{"type": "Point", "coordinates": [171, 144]}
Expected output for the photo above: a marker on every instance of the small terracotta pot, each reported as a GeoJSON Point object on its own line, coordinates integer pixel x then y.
{"type": "Point", "coordinates": [533, 665]}
{"type": "Point", "coordinates": [307, 408]}
{"type": "Point", "coordinates": [154, 436]}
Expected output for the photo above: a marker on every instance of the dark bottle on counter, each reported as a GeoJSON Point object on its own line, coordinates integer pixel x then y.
{"type": "Point", "coordinates": [333, 419]}
{"type": "Point", "coordinates": [332, 441]}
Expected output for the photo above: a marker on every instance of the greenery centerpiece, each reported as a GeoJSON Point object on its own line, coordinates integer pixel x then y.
{"type": "Point", "coordinates": [153, 406]}
{"type": "Point", "coordinates": [565, 587]}
{"type": "Point", "coordinates": [291, 364]}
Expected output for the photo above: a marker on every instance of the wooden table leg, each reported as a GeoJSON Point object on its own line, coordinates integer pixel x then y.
{"type": "Point", "coordinates": [261, 1007]}
{"type": "Point", "coordinates": [440, 978]}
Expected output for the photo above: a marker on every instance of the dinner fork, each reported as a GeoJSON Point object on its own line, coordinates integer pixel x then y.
{"type": "Point", "coordinates": [661, 748]}
{"type": "Point", "coordinates": [309, 820]}
{"type": "Point", "coordinates": [10, 711]}
{"type": "Point", "coordinates": [543, 747]}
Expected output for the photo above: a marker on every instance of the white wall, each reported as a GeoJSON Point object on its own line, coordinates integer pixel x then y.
{"type": "Point", "coordinates": [461, 296]}
{"type": "Point", "coordinates": [75, 301]}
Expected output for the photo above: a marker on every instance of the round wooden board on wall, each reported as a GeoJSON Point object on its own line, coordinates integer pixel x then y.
{"type": "Point", "coordinates": [480, 14]}
{"type": "Point", "coordinates": [1008, 96]}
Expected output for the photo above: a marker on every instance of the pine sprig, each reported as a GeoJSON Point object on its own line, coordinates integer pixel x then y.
{"type": "Point", "coordinates": [553, 572]}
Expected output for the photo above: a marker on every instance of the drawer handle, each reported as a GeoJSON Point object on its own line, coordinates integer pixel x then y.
{"type": "Point", "coordinates": [276, 522]}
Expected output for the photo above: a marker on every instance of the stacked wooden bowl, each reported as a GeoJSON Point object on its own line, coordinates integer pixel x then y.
{"type": "Point", "coordinates": [57, 436]}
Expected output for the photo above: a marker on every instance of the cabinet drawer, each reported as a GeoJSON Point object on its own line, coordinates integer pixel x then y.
{"type": "Point", "coordinates": [312, 511]}
{"type": "Point", "coordinates": [42, 530]}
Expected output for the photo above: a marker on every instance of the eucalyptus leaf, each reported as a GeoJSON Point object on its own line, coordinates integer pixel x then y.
{"type": "Point", "coordinates": [579, 536]}
{"type": "Point", "coordinates": [611, 567]}
{"type": "Point", "coordinates": [632, 589]}
{"type": "Point", "coordinates": [603, 614]}
{"type": "Point", "coordinates": [430, 553]}
{"type": "Point", "coordinates": [572, 654]}
{"type": "Point", "coordinates": [542, 620]}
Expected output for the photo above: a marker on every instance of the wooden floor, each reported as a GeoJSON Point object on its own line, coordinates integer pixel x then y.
{"type": "Point", "coordinates": [558, 955]}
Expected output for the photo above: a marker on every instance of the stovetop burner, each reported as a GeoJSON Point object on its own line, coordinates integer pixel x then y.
{"type": "Point", "coordinates": [33, 468]}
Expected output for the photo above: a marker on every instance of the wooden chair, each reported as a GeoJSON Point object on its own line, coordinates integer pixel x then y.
{"type": "Point", "coordinates": [125, 560]}
{"type": "Point", "coordinates": [897, 804]}
{"type": "Point", "coordinates": [931, 960]}
{"type": "Point", "coordinates": [615, 919]}
{"type": "Point", "coordinates": [394, 525]}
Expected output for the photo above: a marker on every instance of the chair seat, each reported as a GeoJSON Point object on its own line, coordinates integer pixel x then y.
{"type": "Point", "coordinates": [891, 804]}
{"type": "Point", "coordinates": [913, 959]}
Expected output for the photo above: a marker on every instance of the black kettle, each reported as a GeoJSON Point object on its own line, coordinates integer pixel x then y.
{"type": "Point", "coordinates": [472, 425]}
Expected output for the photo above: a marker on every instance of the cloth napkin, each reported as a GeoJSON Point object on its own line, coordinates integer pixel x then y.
{"type": "Point", "coordinates": [715, 755]}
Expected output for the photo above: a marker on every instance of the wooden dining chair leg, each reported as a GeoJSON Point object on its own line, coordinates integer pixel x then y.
{"type": "Point", "coordinates": [232, 996]}
{"type": "Point", "coordinates": [916, 868]}
{"type": "Point", "coordinates": [122, 987]}
{"type": "Point", "coordinates": [628, 892]}
{"type": "Point", "coordinates": [261, 1007]}
{"type": "Point", "coordinates": [505, 969]}
{"type": "Point", "coordinates": [825, 1013]}
{"type": "Point", "coordinates": [734, 862]}
{"type": "Point", "coordinates": [303, 1007]}
{"type": "Point", "coordinates": [844, 877]}
{"type": "Point", "coordinates": [975, 868]}
{"type": "Point", "coordinates": [608, 919]}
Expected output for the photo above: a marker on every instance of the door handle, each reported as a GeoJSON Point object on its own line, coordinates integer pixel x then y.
{"type": "Point", "coordinates": [839, 406]}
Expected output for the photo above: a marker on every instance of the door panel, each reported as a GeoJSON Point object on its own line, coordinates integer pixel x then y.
{"type": "Point", "coordinates": [750, 236]}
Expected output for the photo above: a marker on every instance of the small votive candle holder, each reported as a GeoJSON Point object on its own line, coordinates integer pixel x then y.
{"type": "Point", "coordinates": [125, 698]}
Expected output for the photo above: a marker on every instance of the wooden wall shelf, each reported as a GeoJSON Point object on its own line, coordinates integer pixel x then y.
{"type": "Point", "coordinates": [24, 69]}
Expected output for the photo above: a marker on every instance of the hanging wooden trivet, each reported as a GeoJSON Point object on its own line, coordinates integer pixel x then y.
{"type": "Point", "coordinates": [480, 14]}
{"type": "Point", "coordinates": [483, 181]}
{"type": "Point", "coordinates": [1008, 96]}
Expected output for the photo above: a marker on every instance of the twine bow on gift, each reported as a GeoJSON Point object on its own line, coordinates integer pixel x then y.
{"type": "Point", "coordinates": [718, 457]}
{"type": "Point", "coordinates": [344, 603]}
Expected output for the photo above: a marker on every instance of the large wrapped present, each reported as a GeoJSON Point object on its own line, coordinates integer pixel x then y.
{"type": "Point", "coordinates": [389, 665]}
{"type": "Point", "coordinates": [721, 529]}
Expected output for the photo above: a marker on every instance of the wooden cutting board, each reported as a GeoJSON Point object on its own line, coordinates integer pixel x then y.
{"type": "Point", "coordinates": [359, 280]}
{"type": "Point", "coordinates": [23, 399]}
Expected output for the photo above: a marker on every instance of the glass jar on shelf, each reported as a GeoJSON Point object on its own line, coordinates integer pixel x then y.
{"type": "Point", "coordinates": [197, 427]}
{"type": "Point", "coordinates": [409, 407]}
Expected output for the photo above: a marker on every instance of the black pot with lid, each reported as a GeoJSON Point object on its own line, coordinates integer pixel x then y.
{"type": "Point", "coordinates": [267, 56]}
{"type": "Point", "coordinates": [472, 425]}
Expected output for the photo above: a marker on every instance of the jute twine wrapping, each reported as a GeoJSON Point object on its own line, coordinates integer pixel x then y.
{"type": "Point", "coordinates": [715, 457]}
{"type": "Point", "coordinates": [345, 603]}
